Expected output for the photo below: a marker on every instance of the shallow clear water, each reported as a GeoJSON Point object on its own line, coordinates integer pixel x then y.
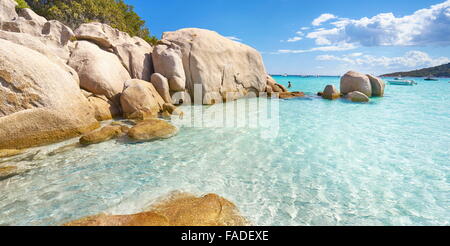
{"type": "Point", "coordinates": [328, 163]}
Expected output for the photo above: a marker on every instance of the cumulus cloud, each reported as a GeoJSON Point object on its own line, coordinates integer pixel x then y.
{"type": "Point", "coordinates": [294, 39]}
{"type": "Point", "coordinates": [323, 18]}
{"type": "Point", "coordinates": [430, 26]}
{"type": "Point", "coordinates": [339, 47]}
{"type": "Point", "coordinates": [411, 59]}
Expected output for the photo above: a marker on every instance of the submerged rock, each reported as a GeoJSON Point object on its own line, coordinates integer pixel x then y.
{"type": "Point", "coordinates": [356, 96]}
{"type": "Point", "coordinates": [331, 93]}
{"type": "Point", "coordinates": [8, 172]}
{"type": "Point", "coordinates": [178, 210]}
{"type": "Point", "coordinates": [10, 152]}
{"type": "Point", "coordinates": [354, 81]}
{"type": "Point", "coordinates": [141, 219]}
{"type": "Point", "coordinates": [102, 135]}
{"type": "Point", "coordinates": [290, 95]}
{"type": "Point", "coordinates": [64, 149]}
{"type": "Point", "coordinates": [152, 129]}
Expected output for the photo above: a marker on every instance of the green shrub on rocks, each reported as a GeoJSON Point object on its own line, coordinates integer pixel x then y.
{"type": "Point", "coordinates": [21, 4]}
{"type": "Point", "coordinates": [73, 13]}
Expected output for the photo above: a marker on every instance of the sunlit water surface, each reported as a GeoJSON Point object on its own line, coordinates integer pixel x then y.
{"type": "Point", "coordinates": [328, 163]}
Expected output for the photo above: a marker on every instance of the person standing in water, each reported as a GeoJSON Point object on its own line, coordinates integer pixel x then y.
{"type": "Point", "coordinates": [289, 84]}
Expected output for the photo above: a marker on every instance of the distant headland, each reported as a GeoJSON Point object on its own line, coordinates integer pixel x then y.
{"type": "Point", "coordinates": [438, 71]}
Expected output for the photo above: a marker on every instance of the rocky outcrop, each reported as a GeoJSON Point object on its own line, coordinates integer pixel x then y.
{"type": "Point", "coordinates": [224, 69]}
{"type": "Point", "coordinates": [152, 129]}
{"type": "Point", "coordinates": [273, 86]}
{"type": "Point", "coordinates": [40, 103]}
{"type": "Point", "coordinates": [102, 135]}
{"type": "Point", "coordinates": [178, 210]}
{"type": "Point", "coordinates": [354, 81]}
{"type": "Point", "coordinates": [29, 14]}
{"type": "Point", "coordinates": [331, 93]}
{"type": "Point", "coordinates": [37, 45]}
{"type": "Point", "coordinates": [100, 72]}
{"type": "Point", "coordinates": [136, 58]}
{"type": "Point", "coordinates": [377, 85]}
{"type": "Point", "coordinates": [167, 61]}
{"type": "Point", "coordinates": [8, 10]}
{"type": "Point", "coordinates": [171, 109]}
{"type": "Point", "coordinates": [52, 35]}
{"type": "Point", "coordinates": [101, 34]}
{"type": "Point", "coordinates": [133, 52]}
{"type": "Point", "coordinates": [161, 84]}
{"type": "Point", "coordinates": [104, 109]}
{"type": "Point", "coordinates": [356, 96]}
{"type": "Point", "coordinates": [140, 100]}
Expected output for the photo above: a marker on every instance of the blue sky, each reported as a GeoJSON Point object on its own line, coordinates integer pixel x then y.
{"type": "Point", "coordinates": [321, 36]}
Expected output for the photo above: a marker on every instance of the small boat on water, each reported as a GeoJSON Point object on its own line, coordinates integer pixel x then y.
{"type": "Point", "coordinates": [402, 82]}
{"type": "Point", "coordinates": [398, 78]}
{"type": "Point", "coordinates": [429, 78]}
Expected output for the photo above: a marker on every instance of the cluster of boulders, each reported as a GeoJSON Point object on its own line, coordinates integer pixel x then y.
{"type": "Point", "coordinates": [356, 87]}
{"type": "Point", "coordinates": [57, 83]}
{"type": "Point", "coordinates": [141, 131]}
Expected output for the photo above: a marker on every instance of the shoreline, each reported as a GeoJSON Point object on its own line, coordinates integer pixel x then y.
{"type": "Point", "coordinates": [94, 120]}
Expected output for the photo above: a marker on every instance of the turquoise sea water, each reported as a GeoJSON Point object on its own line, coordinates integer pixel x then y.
{"type": "Point", "coordinates": [327, 163]}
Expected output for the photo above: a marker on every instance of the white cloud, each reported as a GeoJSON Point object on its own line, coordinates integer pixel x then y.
{"type": "Point", "coordinates": [234, 38]}
{"type": "Point", "coordinates": [430, 26]}
{"type": "Point", "coordinates": [356, 54]}
{"type": "Point", "coordinates": [294, 39]}
{"type": "Point", "coordinates": [411, 59]}
{"type": "Point", "coordinates": [323, 18]}
{"type": "Point", "coordinates": [305, 28]}
{"type": "Point", "coordinates": [339, 47]}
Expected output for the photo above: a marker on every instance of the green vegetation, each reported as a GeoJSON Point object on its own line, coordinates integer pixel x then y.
{"type": "Point", "coordinates": [73, 13]}
{"type": "Point", "coordinates": [439, 71]}
{"type": "Point", "coordinates": [21, 4]}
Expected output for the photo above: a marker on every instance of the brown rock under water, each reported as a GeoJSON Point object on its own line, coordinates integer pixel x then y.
{"type": "Point", "coordinates": [289, 95]}
{"type": "Point", "coordinates": [8, 172]}
{"type": "Point", "coordinates": [102, 135]}
{"type": "Point", "coordinates": [10, 152]}
{"type": "Point", "coordinates": [180, 209]}
{"type": "Point", "coordinates": [152, 129]}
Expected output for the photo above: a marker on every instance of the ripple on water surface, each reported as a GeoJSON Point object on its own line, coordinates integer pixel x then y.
{"type": "Point", "coordinates": [331, 163]}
